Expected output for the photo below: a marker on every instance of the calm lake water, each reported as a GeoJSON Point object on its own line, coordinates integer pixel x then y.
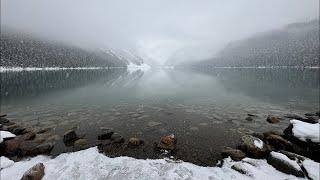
{"type": "Point", "coordinates": [206, 110]}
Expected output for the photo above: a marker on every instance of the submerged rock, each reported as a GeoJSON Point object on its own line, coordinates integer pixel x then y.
{"type": "Point", "coordinates": [44, 130]}
{"type": "Point", "coordinates": [105, 135]}
{"type": "Point", "coordinates": [34, 173]}
{"type": "Point", "coordinates": [167, 143]}
{"type": "Point", "coordinates": [70, 136]}
{"type": "Point", "coordinates": [253, 146]}
{"type": "Point", "coordinates": [80, 143]}
{"type": "Point", "coordinates": [249, 118]}
{"type": "Point", "coordinates": [153, 123]}
{"type": "Point", "coordinates": [282, 163]}
{"type": "Point", "coordinates": [235, 154]}
{"type": "Point", "coordinates": [194, 128]}
{"type": "Point", "coordinates": [117, 138]}
{"type": "Point", "coordinates": [273, 119]}
{"type": "Point", "coordinates": [252, 115]}
{"type": "Point", "coordinates": [135, 142]}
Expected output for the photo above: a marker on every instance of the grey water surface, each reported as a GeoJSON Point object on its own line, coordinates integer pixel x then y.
{"type": "Point", "coordinates": [205, 109]}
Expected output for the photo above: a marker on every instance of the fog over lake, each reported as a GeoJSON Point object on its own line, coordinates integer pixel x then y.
{"type": "Point", "coordinates": [167, 89]}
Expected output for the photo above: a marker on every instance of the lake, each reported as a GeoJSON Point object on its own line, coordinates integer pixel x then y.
{"type": "Point", "coordinates": [205, 109]}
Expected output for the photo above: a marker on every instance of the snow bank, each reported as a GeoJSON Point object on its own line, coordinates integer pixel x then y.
{"type": "Point", "coordinates": [304, 131]}
{"type": "Point", "coordinates": [5, 134]}
{"type": "Point", "coordinates": [5, 162]}
{"type": "Point", "coordinates": [90, 164]}
{"type": "Point", "coordinates": [312, 168]}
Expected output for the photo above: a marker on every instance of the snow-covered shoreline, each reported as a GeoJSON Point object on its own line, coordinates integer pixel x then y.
{"type": "Point", "coordinates": [258, 162]}
{"type": "Point", "coordinates": [98, 166]}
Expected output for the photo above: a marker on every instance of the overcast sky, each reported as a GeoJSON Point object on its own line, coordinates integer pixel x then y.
{"type": "Point", "coordinates": [156, 29]}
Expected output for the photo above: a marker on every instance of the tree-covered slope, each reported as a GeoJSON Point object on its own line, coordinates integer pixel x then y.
{"type": "Point", "coordinates": [26, 51]}
{"type": "Point", "coordinates": [295, 45]}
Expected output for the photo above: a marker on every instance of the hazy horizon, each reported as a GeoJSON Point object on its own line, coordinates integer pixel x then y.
{"type": "Point", "coordinates": [154, 30]}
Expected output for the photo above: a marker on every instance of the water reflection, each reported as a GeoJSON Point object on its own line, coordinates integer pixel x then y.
{"type": "Point", "coordinates": [219, 86]}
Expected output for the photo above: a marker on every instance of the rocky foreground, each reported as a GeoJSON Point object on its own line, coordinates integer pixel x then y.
{"type": "Point", "coordinates": [293, 154]}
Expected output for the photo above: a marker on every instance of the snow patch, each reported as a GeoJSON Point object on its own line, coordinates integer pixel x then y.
{"type": "Point", "coordinates": [312, 168]}
{"type": "Point", "coordinates": [90, 164]}
{"type": "Point", "coordinates": [305, 131]}
{"type": "Point", "coordinates": [5, 162]}
{"type": "Point", "coordinates": [5, 134]}
{"type": "Point", "coordinates": [258, 143]}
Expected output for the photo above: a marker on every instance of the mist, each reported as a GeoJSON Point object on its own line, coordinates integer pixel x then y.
{"type": "Point", "coordinates": [157, 30]}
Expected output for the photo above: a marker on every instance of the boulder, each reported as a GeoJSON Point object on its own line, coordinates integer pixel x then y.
{"type": "Point", "coordinates": [118, 140]}
{"type": "Point", "coordinates": [33, 148]}
{"type": "Point", "coordinates": [294, 116]}
{"type": "Point", "coordinates": [70, 136]}
{"type": "Point", "coordinates": [27, 130]}
{"type": "Point", "coordinates": [273, 119]}
{"type": "Point", "coordinates": [12, 127]}
{"type": "Point", "coordinates": [253, 146]}
{"type": "Point", "coordinates": [258, 135]}
{"type": "Point", "coordinates": [235, 154]}
{"type": "Point", "coordinates": [44, 130]}
{"type": "Point", "coordinates": [12, 147]}
{"type": "Point", "coordinates": [278, 142]}
{"type": "Point", "coordinates": [3, 120]}
{"type": "Point", "coordinates": [293, 156]}
{"type": "Point", "coordinates": [34, 173]}
{"type": "Point", "coordinates": [18, 130]}
{"type": "Point", "coordinates": [133, 142]}
{"type": "Point", "coordinates": [312, 119]}
{"type": "Point", "coordinates": [241, 168]}
{"type": "Point", "coordinates": [268, 133]}
{"type": "Point", "coordinates": [310, 114]}
{"type": "Point", "coordinates": [282, 163]}
{"type": "Point", "coordinates": [106, 142]}
{"type": "Point", "coordinates": [80, 143]}
{"type": "Point", "coordinates": [167, 143]}
{"type": "Point", "coordinates": [305, 148]}
{"type": "Point", "coordinates": [2, 115]}
{"type": "Point", "coordinates": [28, 136]}
{"type": "Point", "coordinates": [105, 135]}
